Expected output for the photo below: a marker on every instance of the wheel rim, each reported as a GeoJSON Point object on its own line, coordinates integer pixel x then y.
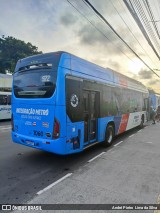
{"type": "Point", "coordinates": [110, 136]}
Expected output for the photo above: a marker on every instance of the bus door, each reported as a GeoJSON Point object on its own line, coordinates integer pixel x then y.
{"type": "Point", "coordinates": [90, 114]}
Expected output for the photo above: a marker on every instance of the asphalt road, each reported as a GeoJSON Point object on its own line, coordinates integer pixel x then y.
{"type": "Point", "coordinates": [126, 177]}
{"type": "Point", "coordinates": [25, 171]}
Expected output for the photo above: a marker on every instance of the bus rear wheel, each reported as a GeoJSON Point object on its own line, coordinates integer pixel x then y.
{"type": "Point", "coordinates": [109, 136]}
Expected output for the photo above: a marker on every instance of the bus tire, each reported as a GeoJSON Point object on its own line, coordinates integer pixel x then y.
{"type": "Point", "coordinates": [142, 122]}
{"type": "Point", "coordinates": [109, 135]}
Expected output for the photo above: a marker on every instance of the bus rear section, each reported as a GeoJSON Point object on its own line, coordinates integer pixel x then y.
{"type": "Point", "coordinates": [37, 116]}
{"type": "Point", "coordinates": [37, 126]}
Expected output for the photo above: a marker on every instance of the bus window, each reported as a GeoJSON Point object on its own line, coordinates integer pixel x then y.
{"type": "Point", "coordinates": [3, 100]}
{"type": "Point", "coordinates": [9, 99]}
{"type": "Point", "coordinates": [40, 83]}
{"type": "Point", "coordinates": [85, 99]}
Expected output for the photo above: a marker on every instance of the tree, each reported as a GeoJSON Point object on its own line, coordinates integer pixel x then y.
{"type": "Point", "coordinates": [11, 50]}
{"type": "Point", "coordinates": [151, 90]}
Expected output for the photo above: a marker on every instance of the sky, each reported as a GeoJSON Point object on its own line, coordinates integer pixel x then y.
{"type": "Point", "coordinates": [54, 25]}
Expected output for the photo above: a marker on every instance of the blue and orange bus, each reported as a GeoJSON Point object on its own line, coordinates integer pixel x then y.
{"type": "Point", "coordinates": [64, 104]}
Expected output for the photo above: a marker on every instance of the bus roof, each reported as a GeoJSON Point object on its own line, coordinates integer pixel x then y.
{"type": "Point", "coordinates": [84, 67]}
{"type": "Point", "coordinates": [35, 59]}
{"type": "Point", "coordinates": [105, 75]}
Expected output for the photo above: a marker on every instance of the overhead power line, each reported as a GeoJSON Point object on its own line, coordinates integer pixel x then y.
{"type": "Point", "coordinates": [106, 22]}
{"type": "Point", "coordinates": [100, 31]}
{"type": "Point", "coordinates": [136, 10]}
{"type": "Point", "coordinates": [147, 5]}
{"type": "Point", "coordinates": [131, 31]}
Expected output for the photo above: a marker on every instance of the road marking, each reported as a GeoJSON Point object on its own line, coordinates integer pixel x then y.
{"type": "Point", "coordinates": [96, 157]}
{"type": "Point", "coordinates": [53, 184]}
{"type": "Point", "coordinates": [148, 142]}
{"type": "Point", "coordinates": [131, 135]}
{"type": "Point", "coordinates": [118, 143]}
{"type": "Point", "coordinates": [140, 131]}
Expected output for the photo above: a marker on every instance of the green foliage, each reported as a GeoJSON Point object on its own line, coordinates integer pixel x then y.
{"type": "Point", "coordinates": [11, 50]}
{"type": "Point", "coordinates": [151, 90]}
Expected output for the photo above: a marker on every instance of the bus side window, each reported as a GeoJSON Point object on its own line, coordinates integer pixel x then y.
{"type": "Point", "coordinates": [86, 101]}
{"type": "Point", "coordinates": [9, 99]}
{"type": "Point", "coordinates": [3, 100]}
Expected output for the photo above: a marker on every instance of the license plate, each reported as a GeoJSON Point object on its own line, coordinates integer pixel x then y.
{"type": "Point", "coordinates": [30, 143]}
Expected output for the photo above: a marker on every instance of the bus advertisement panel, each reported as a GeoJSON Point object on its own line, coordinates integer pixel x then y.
{"type": "Point", "coordinates": [64, 104]}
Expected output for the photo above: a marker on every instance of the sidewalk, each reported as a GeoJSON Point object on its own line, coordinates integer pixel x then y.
{"type": "Point", "coordinates": [128, 173]}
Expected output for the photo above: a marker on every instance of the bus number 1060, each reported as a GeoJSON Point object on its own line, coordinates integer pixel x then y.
{"type": "Point", "coordinates": [38, 133]}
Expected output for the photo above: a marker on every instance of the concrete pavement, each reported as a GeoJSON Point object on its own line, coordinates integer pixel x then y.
{"type": "Point", "coordinates": [128, 173]}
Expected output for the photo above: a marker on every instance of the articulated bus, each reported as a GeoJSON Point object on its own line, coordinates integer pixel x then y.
{"type": "Point", "coordinates": [64, 104]}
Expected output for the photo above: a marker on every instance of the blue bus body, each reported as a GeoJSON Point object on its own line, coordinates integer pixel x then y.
{"type": "Point", "coordinates": [76, 110]}
{"type": "Point", "coordinates": [154, 100]}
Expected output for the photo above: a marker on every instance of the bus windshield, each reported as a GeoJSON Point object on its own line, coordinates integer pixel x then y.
{"type": "Point", "coordinates": [35, 82]}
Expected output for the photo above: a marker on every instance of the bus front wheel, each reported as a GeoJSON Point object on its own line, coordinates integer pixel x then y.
{"type": "Point", "coordinates": [109, 136]}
